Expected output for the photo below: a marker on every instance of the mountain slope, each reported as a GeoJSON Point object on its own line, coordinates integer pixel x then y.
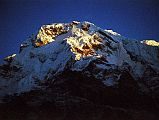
{"type": "Point", "coordinates": [85, 64]}
{"type": "Point", "coordinates": [75, 46]}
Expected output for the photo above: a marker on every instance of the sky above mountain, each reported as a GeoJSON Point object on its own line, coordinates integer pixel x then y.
{"type": "Point", "coordinates": [19, 19]}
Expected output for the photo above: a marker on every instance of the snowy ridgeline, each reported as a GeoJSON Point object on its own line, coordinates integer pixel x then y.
{"type": "Point", "coordinates": [76, 46]}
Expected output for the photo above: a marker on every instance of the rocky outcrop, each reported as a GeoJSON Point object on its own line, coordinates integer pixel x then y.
{"type": "Point", "coordinates": [78, 64]}
{"type": "Point", "coordinates": [48, 33]}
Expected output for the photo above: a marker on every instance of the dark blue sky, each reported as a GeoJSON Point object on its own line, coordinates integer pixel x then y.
{"type": "Point", "coordinates": [137, 19]}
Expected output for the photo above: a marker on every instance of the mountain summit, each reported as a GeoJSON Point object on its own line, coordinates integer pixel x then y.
{"type": "Point", "coordinates": [91, 64]}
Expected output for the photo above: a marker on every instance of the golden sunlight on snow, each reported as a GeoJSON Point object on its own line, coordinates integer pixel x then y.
{"type": "Point", "coordinates": [47, 34]}
{"type": "Point", "coordinates": [9, 58]}
{"type": "Point", "coordinates": [83, 44]}
{"type": "Point", "coordinates": [150, 42]}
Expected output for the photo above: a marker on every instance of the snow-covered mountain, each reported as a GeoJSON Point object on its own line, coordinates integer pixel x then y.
{"type": "Point", "coordinates": [81, 47]}
{"type": "Point", "coordinates": [80, 68]}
